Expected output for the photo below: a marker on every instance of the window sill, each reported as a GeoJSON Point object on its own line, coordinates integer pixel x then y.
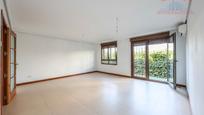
{"type": "Point", "coordinates": [108, 64]}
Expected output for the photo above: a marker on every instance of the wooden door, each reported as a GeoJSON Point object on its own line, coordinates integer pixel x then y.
{"type": "Point", "coordinates": [1, 76]}
{"type": "Point", "coordinates": [1, 64]}
{"type": "Point", "coordinates": [9, 60]}
{"type": "Point", "coordinates": [5, 30]}
{"type": "Point", "coordinates": [8, 64]}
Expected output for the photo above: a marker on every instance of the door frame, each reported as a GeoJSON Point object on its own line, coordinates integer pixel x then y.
{"type": "Point", "coordinates": [174, 84]}
{"type": "Point", "coordinates": [5, 29]}
{"type": "Point", "coordinates": [8, 95]}
{"type": "Point", "coordinates": [6, 37]}
{"type": "Point", "coordinates": [1, 64]}
{"type": "Point", "coordinates": [146, 39]}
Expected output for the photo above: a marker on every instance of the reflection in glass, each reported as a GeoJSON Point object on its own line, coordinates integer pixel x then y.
{"type": "Point", "coordinates": [12, 70]}
{"type": "Point", "coordinates": [12, 63]}
{"type": "Point", "coordinates": [12, 42]}
{"type": "Point", "coordinates": [112, 53]}
{"type": "Point", "coordinates": [12, 56]}
{"type": "Point", "coordinates": [105, 53]}
{"type": "Point", "coordinates": [12, 84]}
{"type": "Point", "coordinates": [170, 62]}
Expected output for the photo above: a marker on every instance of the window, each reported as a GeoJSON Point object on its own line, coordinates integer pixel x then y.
{"type": "Point", "coordinates": [109, 53]}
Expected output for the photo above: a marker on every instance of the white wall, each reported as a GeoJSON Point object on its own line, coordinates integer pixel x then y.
{"type": "Point", "coordinates": [2, 7]}
{"type": "Point", "coordinates": [124, 60]}
{"type": "Point", "coordinates": [43, 57]}
{"type": "Point", "coordinates": [195, 57]}
{"type": "Point", "coordinates": [181, 60]}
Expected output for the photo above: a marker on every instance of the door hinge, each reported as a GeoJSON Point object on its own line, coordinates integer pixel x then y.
{"type": "Point", "coordinates": [5, 97]}
{"type": "Point", "coordinates": [5, 53]}
{"type": "Point", "coordinates": [5, 76]}
{"type": "Point", "coordinates": [6, 31]}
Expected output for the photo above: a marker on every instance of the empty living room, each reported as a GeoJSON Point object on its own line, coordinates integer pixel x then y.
{"type": "Point", "coordinates": [102, 57]}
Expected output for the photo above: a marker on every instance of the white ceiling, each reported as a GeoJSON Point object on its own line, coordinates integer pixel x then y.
{"type": "Point", "coordinates": [93, 20]}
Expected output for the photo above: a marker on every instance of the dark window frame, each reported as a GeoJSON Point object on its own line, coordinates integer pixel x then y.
{"type": "Point", "coordinates": [147, 39]}
{"type": "Point", "coordinates": [109, 45]}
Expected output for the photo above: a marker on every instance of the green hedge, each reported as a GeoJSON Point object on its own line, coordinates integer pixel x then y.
{"type": "Point", "coordinates": [159, 64]}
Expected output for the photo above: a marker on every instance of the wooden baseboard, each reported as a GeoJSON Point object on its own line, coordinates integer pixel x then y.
{"type": "Point", "coordinates": [60, 77]}
{"type": "Point", "coordinates": [120, 75]}
{"type": "Point", "coordinates": [179, 85]}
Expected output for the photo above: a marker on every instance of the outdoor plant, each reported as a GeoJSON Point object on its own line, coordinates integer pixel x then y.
{"type": "Point", "coordinates": [159, 64]}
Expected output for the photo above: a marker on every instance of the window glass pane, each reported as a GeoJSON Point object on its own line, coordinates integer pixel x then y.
{"type": "Point", "coordinates": [12, 56]}
{"type": "Point", "coordinates": [113, 62]}
{"type": "Point", "coordinates": [12, 84]}
{"type": "Point", "coordinates": [139, 60]}
{"type": "Point", "coordinates": [158, 62]}
{"type": "Point", "coordinates": [170, 62]}
{"type": "Point", "coordinates": [109, 52]}
{"type": "Point", "coordinates": [12, 70]}
{"type": "Point", "coordinates": [105, 53]}
{"type": "Point", "coordinates": [12, 41]}
{"type": "Point", "coordinates": [104, 62]}
{"type": "Point", "coordinates": [113, 53]}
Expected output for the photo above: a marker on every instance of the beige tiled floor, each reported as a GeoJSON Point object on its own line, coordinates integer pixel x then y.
{"type": "Point", "coordinates": [98, 94]}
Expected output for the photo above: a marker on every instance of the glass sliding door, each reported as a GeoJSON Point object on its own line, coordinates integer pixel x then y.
{"type": "Point", "coordinates": [154, 59]}
{"type": "Point", "coordinates": [139, 54]}
{"type": "Point", "coordinates": [171, 76]}
{"type": "Point", "coordinates": [170, 62]}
